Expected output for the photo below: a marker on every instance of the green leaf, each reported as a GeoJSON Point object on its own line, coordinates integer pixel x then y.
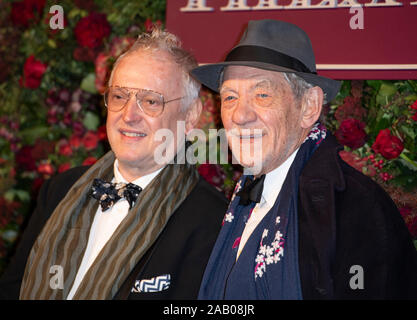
{"type": "Point", "coordinates": [30, 135]}
{"type": "Point", "coordinates": [387, 89]}
{"type": "Point", "coordinates": [385, 92]}
{"type": "Point", "coordinates": [376, 84]}
{"type": "Point", "coordinates": [22, 195]}
{"type": "Point", "coordinates": [91, 121]}
{"type": "Point", "coordinates": [88, 83]}
{"type": "Point", "coordinates": [409, 132]}
{"type": "Point", "coordinates": [411, 98]}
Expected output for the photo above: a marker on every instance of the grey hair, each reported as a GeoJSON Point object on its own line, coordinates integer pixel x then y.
{"type": "Point", "coordinates": [161, 40]}
{"type": "Point", "coordinates": [299, 86]}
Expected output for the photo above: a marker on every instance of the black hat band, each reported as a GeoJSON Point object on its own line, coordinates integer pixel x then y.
{"type": "Point", "coordinates": [266, 55]}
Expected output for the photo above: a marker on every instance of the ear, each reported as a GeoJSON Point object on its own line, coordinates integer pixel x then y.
{"type": "Point", "coordinates": [193, 115]}
{"type": "Point", "coordinates": [311, 107]}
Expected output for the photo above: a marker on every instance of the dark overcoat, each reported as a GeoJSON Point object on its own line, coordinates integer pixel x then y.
{"type": "Point", "coordinates": [353, 242]}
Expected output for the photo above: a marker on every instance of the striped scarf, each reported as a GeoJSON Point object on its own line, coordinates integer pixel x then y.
{"type": "Point", "coordinates": [63, 240]}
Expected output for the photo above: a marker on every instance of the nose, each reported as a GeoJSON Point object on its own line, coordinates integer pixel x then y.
{"type": "Point", "coordinates": [243, 112]}
{"type": "Point", "coordinates": [131, 111]}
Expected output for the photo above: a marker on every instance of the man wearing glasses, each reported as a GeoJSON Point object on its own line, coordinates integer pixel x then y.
{"type": "Point", "coordinates": [128, 227]}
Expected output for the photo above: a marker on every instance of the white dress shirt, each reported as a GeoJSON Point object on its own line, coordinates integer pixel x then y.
{"type": "Point", "coordinates": [272, 186]}
{"type": "Point", "coordinates": [105, 224]}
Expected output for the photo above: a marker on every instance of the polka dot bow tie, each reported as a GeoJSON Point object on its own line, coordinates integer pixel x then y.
{"type": "Point", "coordinates": [108, 193]}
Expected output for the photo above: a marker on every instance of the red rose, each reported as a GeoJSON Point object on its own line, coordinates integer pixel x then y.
{"type": "Point", "coordinates": [75, 141]}
{"type": "Point", "coordinates": [414, 117]}
{"type": "Point", "coordinates": [46, 168]}
{"type": "Point", "coordinates": [387, 145]}
{"type": "Point", "coordinates": [351, 133]}
{"type": "Point", "coordinates": [64, 167]}
{"type": "Point", "coordinates": [89, 161]}
{"type": "Point", "coordinates": [351, 108]}
{"type": "Point", "coordinates": [26, 12]}
{"type": "Point", "coordinates": [91, 30]}
{"type": "Point", "coordinates": [65, 149]}
{"type": "Point", "coordinates": [414, 105]}
{"type": "Point", "coordinates": [90, 140]}
{"type": "Point", "coordinates": [33, 71]}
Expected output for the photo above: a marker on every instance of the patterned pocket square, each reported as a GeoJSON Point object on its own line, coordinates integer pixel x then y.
{"type": "Point", "coordinates": [155, 284]}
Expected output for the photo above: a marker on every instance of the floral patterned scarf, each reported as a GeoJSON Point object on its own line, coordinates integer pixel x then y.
{"type": "Point", "coordinates": [267, 267]}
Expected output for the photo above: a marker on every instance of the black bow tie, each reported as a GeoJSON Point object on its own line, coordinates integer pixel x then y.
{"type": "Point", "coordinates": [252, 190]}
{"type": "Point", "coordinates": [109, 193]}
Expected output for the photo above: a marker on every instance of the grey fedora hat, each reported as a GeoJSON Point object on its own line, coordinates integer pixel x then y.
{"type": "Point", "coordinates": [271, 45]}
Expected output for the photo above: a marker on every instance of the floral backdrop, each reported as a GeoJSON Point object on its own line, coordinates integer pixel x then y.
{"type": "Point", "coordinates": [52, 116]}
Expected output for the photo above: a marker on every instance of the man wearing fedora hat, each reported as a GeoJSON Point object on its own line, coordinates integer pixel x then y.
{"type": "Point", "coordinates": [305, 225]}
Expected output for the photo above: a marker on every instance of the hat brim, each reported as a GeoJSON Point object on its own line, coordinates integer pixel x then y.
{"type": "Point", "coordinates": [209, 75]}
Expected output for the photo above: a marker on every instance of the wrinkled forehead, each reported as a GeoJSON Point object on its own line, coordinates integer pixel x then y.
{"type": "Point", "coordinates": [255, 76]}
{"type": "Point", "coordinates": [145, 70]}
{"type": "Point", "coordinates": [146, 61]}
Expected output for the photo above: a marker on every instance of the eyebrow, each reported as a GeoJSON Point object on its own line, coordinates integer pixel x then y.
{"type": "Point", "coordinates": [262, 83]}
{"type": "Point", "coordinates": [265, 83]}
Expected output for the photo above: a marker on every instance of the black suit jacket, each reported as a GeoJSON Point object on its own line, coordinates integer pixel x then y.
{"type": "Point", "coordinates": [346, 220]}
{"type": "Point", "coordinates": [182, 249]}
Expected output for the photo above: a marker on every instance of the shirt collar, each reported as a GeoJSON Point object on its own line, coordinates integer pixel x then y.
{"type": "Point", "coordinates": [275, 179]}
{"type": "Point", "coordinates": [141, 182]}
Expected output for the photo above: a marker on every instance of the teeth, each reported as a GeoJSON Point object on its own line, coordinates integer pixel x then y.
{"type": "Point", "coordinates": [251, 136]}
{"type": "Point", "coordinates": [134, 134]}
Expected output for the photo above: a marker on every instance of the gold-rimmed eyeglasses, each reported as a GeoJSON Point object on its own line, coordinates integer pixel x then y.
{"type": "Point", "coordinates": [150, 102]}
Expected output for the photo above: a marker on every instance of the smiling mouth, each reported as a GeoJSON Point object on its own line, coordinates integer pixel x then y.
{"type": "Point", "coordinates": [247, 134]}
{"type": "Point", "coordinates": [250, 136]}
{"type": "Point", "coordinates": [133, 134]}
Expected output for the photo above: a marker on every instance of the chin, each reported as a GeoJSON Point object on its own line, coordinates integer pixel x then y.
{"type": "Point", "coordinates": [250, 166]}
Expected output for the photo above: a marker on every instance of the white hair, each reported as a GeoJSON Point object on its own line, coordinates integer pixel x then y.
{"type": "Point", "coordinates": [299, 86]}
